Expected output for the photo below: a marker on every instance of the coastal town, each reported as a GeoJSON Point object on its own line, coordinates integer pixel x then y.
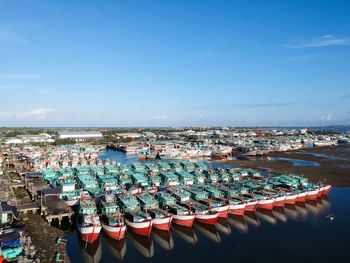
{"type": "Point", "coordinates": [66, 180]}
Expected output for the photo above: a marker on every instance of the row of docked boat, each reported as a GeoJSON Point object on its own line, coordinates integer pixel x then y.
{"type": "Point", "coordinates": [182, 205]}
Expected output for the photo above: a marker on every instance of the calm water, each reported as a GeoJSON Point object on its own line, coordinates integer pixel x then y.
{"type": "Point", "coordinates": [298, 233]}
{"type": "Point", "coordinates": [295, 162]}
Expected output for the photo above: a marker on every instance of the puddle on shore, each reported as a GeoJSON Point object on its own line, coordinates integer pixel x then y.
{"type": "Point", "coordinates": [321, 155]}
{"type": "Point", "coordinates": [295, 162]}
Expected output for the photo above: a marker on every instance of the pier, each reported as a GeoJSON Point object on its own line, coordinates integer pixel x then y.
{"type": "Point", "coordinates": [53, 208]}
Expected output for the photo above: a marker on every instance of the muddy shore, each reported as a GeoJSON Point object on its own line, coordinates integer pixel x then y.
{"type": "Point", "coordinates": [43, 235]}
{"type": "Point", "coordinates": [334, 163]}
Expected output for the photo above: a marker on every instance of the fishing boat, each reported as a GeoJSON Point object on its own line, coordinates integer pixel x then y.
{"type": "Point", "coordinates": [109, 184]}
{"type": "Point", "coordinates": [236, 204]}
{"type": "Point", "coordinates": [169, 179]}
{"type": "Point", "coordinates": [142, 183]}
{"type": "Point", "coordinates": [88, 222]}
{"type": "Point", "coordinates": [161, 218]}
{"type": "Point", "coordinates": [181, 215]}
{"type": "Point", "coordinates": [88, 183]}
{"type": "Point", "coordinates": [186, 179]}
{"type": "Point", "coordinates": [217, 202]}
{"type": "Point", "coordinates": [311, 192]}
{"type": "Point", "coordinates": [69, 193]}
{"type": "Point", "coordinates": [301, 198]}
{"type": "Point", "coordinates": [326, 189]}
{"type": "Point", "coordinates": [154, 181]}
{"type": "Point", "coordinates": [123, 179]}
{"type": "Point", "coordinates": [212, 177]}
{"type": "Point", "coordinates": [278, 196]}
{"type": "Point", "coordinates": [112, 219]}
{"type": "Point", "coordinates": [203, 212]}
{"type": "Point", "coordinates": [199, 177]}
{"type": "Point", "coordinates": [136, 220]}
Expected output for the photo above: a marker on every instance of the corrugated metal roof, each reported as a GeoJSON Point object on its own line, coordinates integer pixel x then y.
{"type": "Point", "coordinates": [80, 133]}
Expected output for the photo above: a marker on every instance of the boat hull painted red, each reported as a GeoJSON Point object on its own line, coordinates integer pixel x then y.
{"type": "Point", "coordinates": [207, 219]}
{"type": "Point", "coordinates": [222, 211]}
{"type": "Point", "coordinates": [301, 197]}
{"type": "Point", "coordinates": [89, 237]}
{"type": "Point", "coordinates": [237, 209]}
{"type": "Point", "coordinates": [291, 199]}
{"type": "Point", "coordinates": [320, 192]}
{"type": "Point", "coordinates": [279, 201]}
{"type": "Point", "coordinates": [142, 228]}
{"type": "Point", "coordinates": [184, 220]}
{"type": "Point", "coordinates": [266, 204]}
{"type": "Point", "coordinates": [162, 224]}
{"type": "Point", "coordinates": [251, 206]}
{"type": "Point", "coordinates": [117, 232]}
{"type": "Point", "coordinates": [326, 189]}
{"type": "Point", "coordinates": [312, 195]}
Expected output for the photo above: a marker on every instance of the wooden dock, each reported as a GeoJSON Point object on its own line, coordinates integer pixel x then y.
{"type": "Point", "coordinates": [24, 208]}
{"type": "Point", "coordinates": [53, 207]}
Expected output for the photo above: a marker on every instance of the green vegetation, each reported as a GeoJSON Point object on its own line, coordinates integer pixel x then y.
{"type": "Point", "coordinates": [8, 132]}
{"type": "Point", "coordinates": [112, 139]}
{"type": "Point", "coordinates": [63, 142]}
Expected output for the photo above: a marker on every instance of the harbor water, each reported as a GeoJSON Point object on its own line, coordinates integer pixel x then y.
{"type": "Point", "coordinates": [312, 232]}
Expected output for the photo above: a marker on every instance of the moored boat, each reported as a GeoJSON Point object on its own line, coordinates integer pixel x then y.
{"type": "Point", "coordinates": [112, 220]}
{"type": "Point", "coordinates": [181, 215]}
{"type": "Point", "coordinates": [136, 220]}
{"type": "Point", "coordinates": [161, 219]}
{"type": "Point", "coordinates": [88, 222]}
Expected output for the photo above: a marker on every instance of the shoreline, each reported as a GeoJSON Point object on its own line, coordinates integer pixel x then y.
{"type": "Point", "coordinates": [334, 163]}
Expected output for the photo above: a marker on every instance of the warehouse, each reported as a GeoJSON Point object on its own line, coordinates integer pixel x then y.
{"type": "Point", "coordinates": [79, 136]}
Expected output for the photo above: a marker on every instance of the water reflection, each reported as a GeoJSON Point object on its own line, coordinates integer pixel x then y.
{"type": "Point", "coordinates": [251, 219]}
{"type": "Point", "coordinates": [116, 247]}
{"type": "Point", "coordinates": [143, 244]}
{"type": "Point", "coordinates": [186, 233]}
{"type": "Point", "coordinates": [291, 211]}
{"type": "Point", "coordinates": [238, 223]}
{"type": "Point", "coordinates": [163, 238]}
{"type": "Point", "coordinates": [312, 207]}
{"type": "Point", "coordinates": [91, 253]}
{"type": "Point", "coordinates": [223, 226]}
{"type": "Point", "coordinates": [301, 210]}
{"type": "Point", "coordinates": [279, 214]}
{"type": "Point", "coordinates": [209, 231]}
{"type": "Point", "coordinates": [166, 241]}
{"type": "Point", "coordinates": [294, 162]}
{"type": "Point", "coordinates": [266, 215]}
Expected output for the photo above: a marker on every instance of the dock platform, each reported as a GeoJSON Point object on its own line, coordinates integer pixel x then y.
{"type": "Point", "coordinates": [24, 208]}
{"type": "Point", "coordinates": [53, 207]}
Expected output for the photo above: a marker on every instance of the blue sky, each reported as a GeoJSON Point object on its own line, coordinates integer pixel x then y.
{"type": "Point", "coordinates": [174, 63]}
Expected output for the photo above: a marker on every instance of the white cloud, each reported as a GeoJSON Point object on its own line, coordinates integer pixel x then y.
{"type": "Point", "coordinates": [160, 118]}
{"type": "Point", "coordinates": [200, 115]}
{"type": "Point", "coordinates": [324, 117]}
{"type": "Point", "coordinates": [38, 114]}
{"type": "Point", "coordinates": [323, 41]}
{"type": "Point", "coordinates": [19, 76]}
{"type": "Point", "coordinates": [265, 104]}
